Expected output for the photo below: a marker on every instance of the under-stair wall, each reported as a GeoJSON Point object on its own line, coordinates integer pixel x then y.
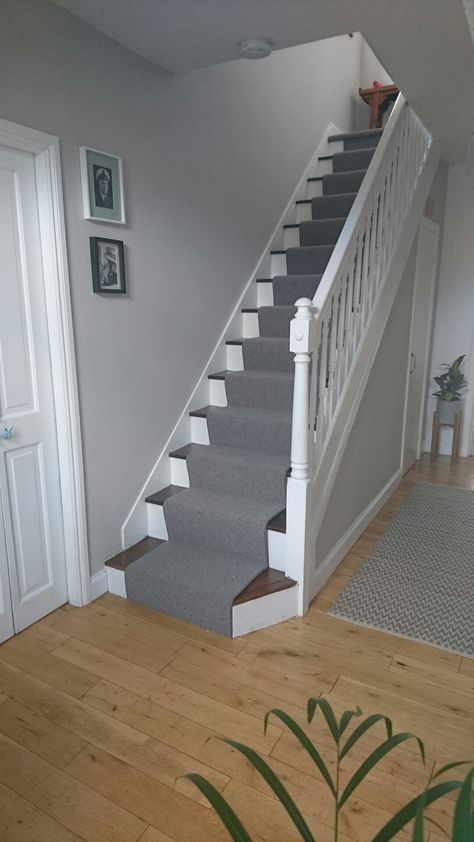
{"type": "Point", "coordinates": [372, 461]}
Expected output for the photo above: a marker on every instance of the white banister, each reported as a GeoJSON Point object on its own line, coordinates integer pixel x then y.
{"type": "Point", "coordinates": [332, 335]}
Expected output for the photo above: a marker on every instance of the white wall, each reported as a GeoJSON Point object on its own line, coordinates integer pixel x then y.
{"type": "Point", "coordinates": [210, 161]}
{"type": "Point", "coordinates": [373, 454]}
{"type": "Point", "coordinates": [454, 318]}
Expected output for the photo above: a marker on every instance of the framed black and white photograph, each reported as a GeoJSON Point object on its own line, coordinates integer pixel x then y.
{"type": "Point", "coordinates": [102, 186]}
{"type": "Point", "coordinates": [108, 266]}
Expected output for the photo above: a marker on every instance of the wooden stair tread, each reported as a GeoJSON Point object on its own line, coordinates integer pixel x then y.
{"type": "Point", "coordinates": [182, 452]}
{"type": "Point", "coordinates": [159, 497]}
{"type": "Point", "coordinates": [141, 548]}
{"type": "Point", "coordinates": [200, 413]}
{"type": "Point", "coordinates": [278, 523]}
{"type": "Point", "coordinates": [268, 582]}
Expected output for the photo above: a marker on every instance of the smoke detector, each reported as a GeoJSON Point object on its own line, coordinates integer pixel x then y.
{"type": "Point", "coordinates": [255, 48]}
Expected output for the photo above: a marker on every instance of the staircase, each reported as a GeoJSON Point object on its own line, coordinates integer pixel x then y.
{"type": "Point", "coordinates": [219, 527]}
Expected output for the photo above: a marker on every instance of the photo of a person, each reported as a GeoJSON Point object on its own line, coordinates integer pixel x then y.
{"type": "Point", "coordinates": [108, 272]}
{"type": "Point", "coordinates": [104, 197]}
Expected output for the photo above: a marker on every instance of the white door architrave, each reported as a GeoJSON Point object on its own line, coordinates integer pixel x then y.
{"type": "Point", "coordinates": [45, 149]}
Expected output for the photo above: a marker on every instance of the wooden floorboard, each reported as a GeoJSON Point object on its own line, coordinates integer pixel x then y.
{"type": "Point", "coordinates": [104, 709]}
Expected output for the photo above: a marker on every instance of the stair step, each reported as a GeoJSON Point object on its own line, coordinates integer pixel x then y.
{"type": "Point", "coordinates": [320, 232]}
{"type": "Point", "coordinates": [308, 260]}
{"type": "Point", "coordinates": [358, 159]}
{"type": "Point", "coordinates": [265, 584]}
{"type": "Point", "coordinates": [275, 321]}
{"type": "Point", "coordinates": [268, 582]}
{"type": "Point", "coordinates": [345, 182]}
{"type": "Point", "coordinates": [288, 288]}
{"type": "Point", "coordinates": [250, 428]}
{"type": "Point", "coordinates": [332, 207]}
{"type": "Point", "coordinates": [125, 557]}
{"type": "Point", "coordinates": [181, 452]}
{"type": "Point", "coordinates": [200, 413]}
{"type": "Point", "coordinates": [159, 497]}
{"type": "Point", "coordinates": [358, 140]}
{"type": "Point", "coordinates": [268, 353]}
{"type": "Point", "coordinates": [260, 389]}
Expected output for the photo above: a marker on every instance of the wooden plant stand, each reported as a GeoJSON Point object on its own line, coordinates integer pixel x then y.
{"type": "Point", "coordinates": [456, 425]}
{"type": "Point", "coordinates": [376, 97]}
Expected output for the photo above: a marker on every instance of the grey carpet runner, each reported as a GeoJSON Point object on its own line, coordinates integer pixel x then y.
{"type": "Point", "coordinates": [217, 527]}
{"type": "Point", "coordinates": [419, 579]}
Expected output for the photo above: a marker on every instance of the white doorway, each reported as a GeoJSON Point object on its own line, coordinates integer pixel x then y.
{"type": "Point", "coordinates": [420, 339]}
{"type": "Point", "coordinates": [43, 550]}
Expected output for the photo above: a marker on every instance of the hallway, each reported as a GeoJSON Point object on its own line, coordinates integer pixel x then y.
{"type": "Point", "coordinates": [104, 709]}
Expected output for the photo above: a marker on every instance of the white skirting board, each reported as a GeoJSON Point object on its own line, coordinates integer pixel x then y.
{"type": "Point", "coordinates": [348, 539]}
{"type": "Point", "coordinates": [99, 584]}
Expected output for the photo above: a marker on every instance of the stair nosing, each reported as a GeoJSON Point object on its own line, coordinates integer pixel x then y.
{"type": "Point", "coordinates": [218, 375]}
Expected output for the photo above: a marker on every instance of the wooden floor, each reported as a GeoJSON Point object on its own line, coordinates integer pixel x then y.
{"type": "Point", "coordinates": [104, 709]}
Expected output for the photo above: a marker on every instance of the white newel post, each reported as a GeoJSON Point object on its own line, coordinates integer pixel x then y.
{"type": "Point", "coordinates": [301, 344]}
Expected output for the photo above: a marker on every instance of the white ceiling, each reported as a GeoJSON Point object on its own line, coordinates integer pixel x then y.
{"type": "Point", "coordinates": [425, 45]}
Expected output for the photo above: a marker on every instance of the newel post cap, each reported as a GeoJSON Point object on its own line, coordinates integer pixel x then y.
{"type": "Point", "coordinates": [300, 327]}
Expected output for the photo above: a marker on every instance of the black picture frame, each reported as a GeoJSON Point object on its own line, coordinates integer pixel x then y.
{"type": "Point", "coordinates": [108, 266]}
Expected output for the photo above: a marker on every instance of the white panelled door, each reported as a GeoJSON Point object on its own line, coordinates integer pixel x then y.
{"type": "Point", "coordinates": [32, 554]}
{"type": "Point", "coordinates": [420, 339]}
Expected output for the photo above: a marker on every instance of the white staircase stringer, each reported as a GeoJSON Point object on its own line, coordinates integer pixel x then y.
{"type": "Point", "coordinates": [307, 499]}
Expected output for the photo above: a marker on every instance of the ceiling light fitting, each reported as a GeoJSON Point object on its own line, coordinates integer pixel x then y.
{"type": "Point", "coordinates": [255, 48]}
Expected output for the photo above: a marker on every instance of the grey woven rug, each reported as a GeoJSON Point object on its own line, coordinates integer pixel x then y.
{"type": "Point", "coordinates": [418, 582]}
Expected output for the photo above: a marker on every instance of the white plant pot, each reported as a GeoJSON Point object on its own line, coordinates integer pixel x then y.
{"type": "Point", "coordinates": [447, 410]}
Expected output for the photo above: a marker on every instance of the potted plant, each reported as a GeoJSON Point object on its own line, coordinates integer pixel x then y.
{"type": "Point", "coordinates": [344, 738]}
{"type": "Point", "coordinates": [450, 384]}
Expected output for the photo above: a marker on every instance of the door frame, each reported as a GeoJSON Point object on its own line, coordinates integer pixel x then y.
{"type": "Point", "coordinates": [434, 227]}
{"type": "Point", "coordinates": [46, 152]}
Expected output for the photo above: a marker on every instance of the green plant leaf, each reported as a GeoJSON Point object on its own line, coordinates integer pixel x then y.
{"type": "Point", "coordinates": [463, 823]}
{"type": "Point", "coordinates": [363, 727]}
{"type": "Point", "coordinates": [418, 825]}
{"type": "Point", "coordinates": [408, 812]}
{"type": "Point", "coordinates": [346, 717]}
{"type": "Point", "coordinates": [276, 785]}
{"type": "Point", "coordinates": [449, 766]}
{"type": "Point", "coordinates": [306, 743]}
{"type": "Point", "coordinates": [328, 713]}
{"type": "Point", "coordinates": [222, 808]}
{"type": "Point", "coordinates": [374, 758]}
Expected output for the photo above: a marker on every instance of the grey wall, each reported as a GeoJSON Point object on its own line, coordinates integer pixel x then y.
{"type": "Point", "coordinates": [373, 453]}
{"type": "Point", "coordinates": [210, 161]}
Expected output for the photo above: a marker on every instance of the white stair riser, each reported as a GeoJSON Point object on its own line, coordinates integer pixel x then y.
{"type": "Point", "coordinates": [199, 431]}
{"type": "Point", "coordinates": [325, 167]}
{"type": "Point", "coordinates": [315, 189]}
{"type": "Point", "coordinates": [247, 617]}
{"type": "Point", "coordinates": [277, 265]}
{"type": "Point", "coordinates": [250, 326]}
{"type": "Point", "coordinates": [179, 472]}
{"type": "Point", "coordinates": [265, 294]}
{"type": "Point", "coordinates": [276, 549]}
{"type": "Point", "coordinates": [116, 582]}
{"type": "Point", "coordinates": [303, 213]}
{"type": "Point", "coordinates": [335, 146]}
{"type": "Point", "coordinates": [291, 238]}
{"type": "Point", "coordinates": [264, 611]}
{"type": "Point", "coordinates": [235, 360]}
{"type": "Point", "coordinates": [156, 522]}
{"type": "Point", "coordinates": [217, 393]}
